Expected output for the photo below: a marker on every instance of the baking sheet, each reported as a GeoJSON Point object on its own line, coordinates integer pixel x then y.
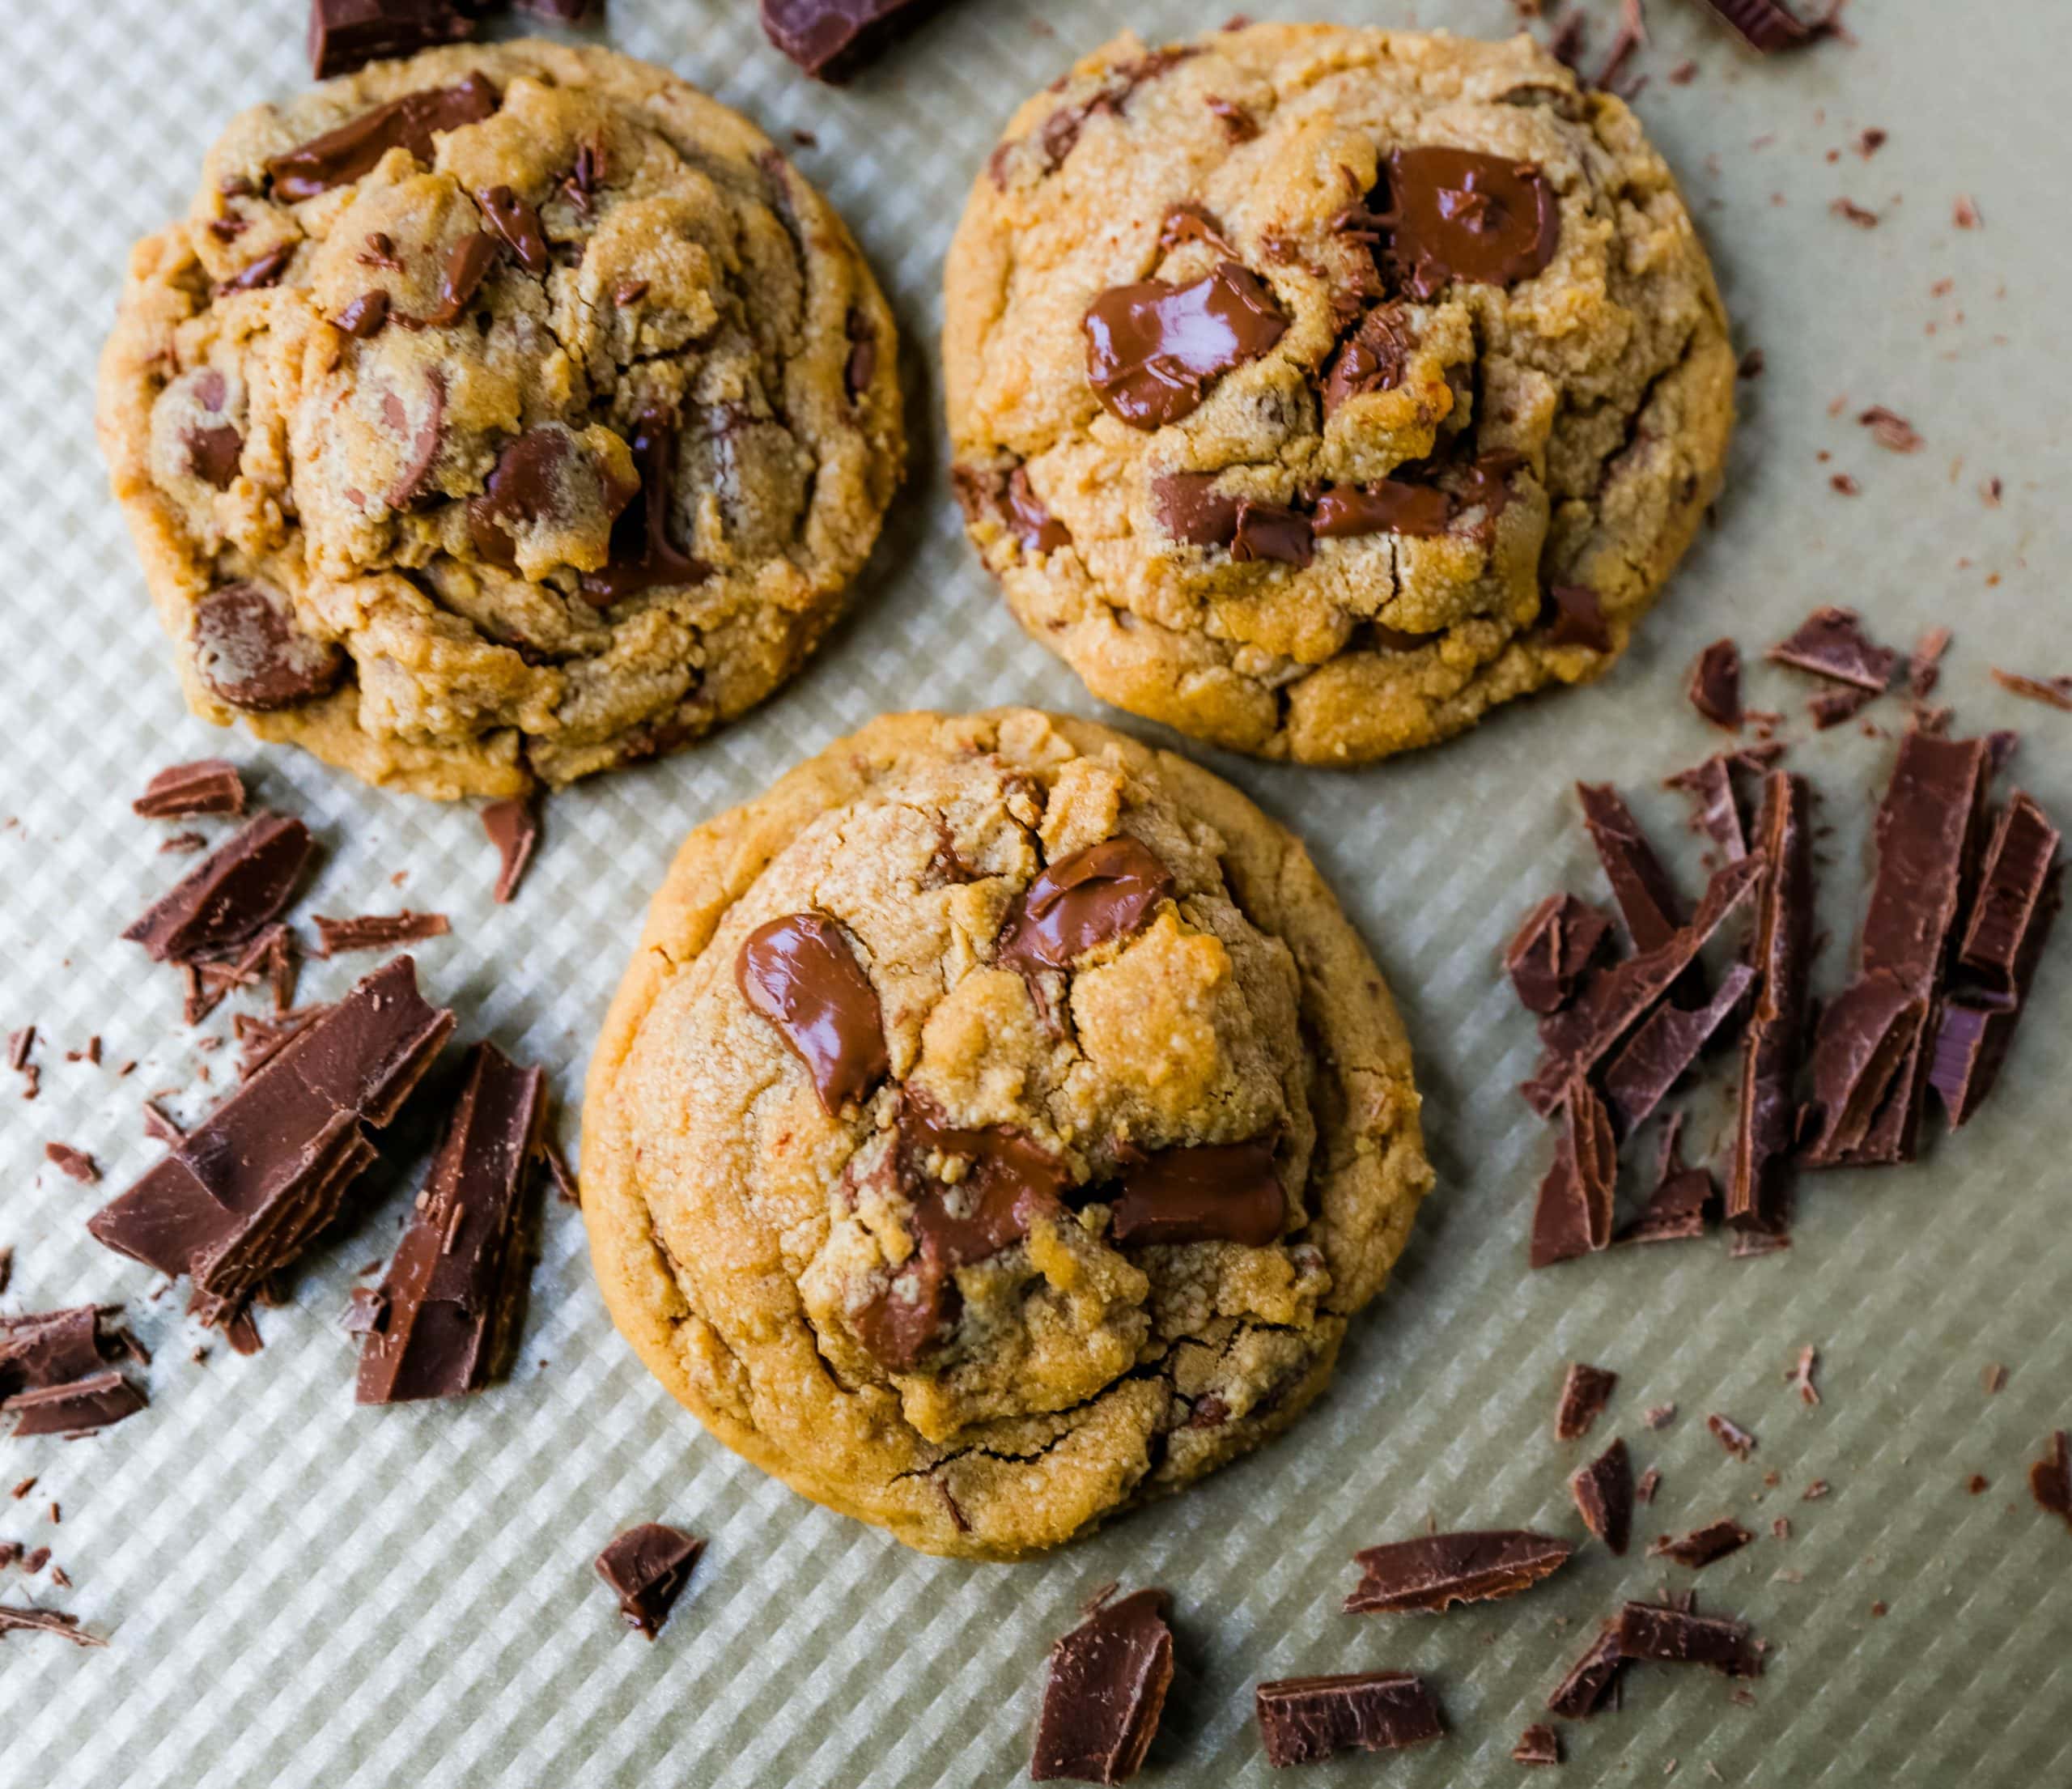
{"type": "Point", "coordinates": [295, 1591]}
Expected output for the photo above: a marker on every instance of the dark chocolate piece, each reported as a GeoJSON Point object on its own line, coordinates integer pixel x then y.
{"type": "Point", "coordinates": [517, 221]}
{"type": "Point", "coordinates": [1212, 1192]}
{"type": "Point", "coordinates": [1676, 1636]}
{"type": "Point", "coordinates": [1648, 901]}
{"type": "Point", "coordinates": [1603, 1491]}
{"type": "Point", "coordinates": [1801, 1372]}
{"type": "Point", "coordinates": [1710, 787]}
{"type": "Point", "coordinates": [801, 973]}
{"type": "Point", "coordinates": [642, 555]}
{"type": "Point", "coordinates": [250, 651]}
{"type": "Point", "coordinates": [2057, 691]}
{"type": "Point", "coordinates": [1008, 499]}
{"type": "Point", "coordinates": [541, 476]}
{"type": "Point", "coordinates": [208, 786]}
{"type": "Point", "coordinates": [1731, 1435]}
{"type": "Point", "coordinates": [365, 317]}
{"type": "Point", "coordinates": [1559, 940]}
{"type": "Point", "coordinates": [1153, 349]}
{"type": "Point", "coordinates": [1104, 892]}
{"type": "Point", "coordinates": [1446, 214]}
{"type": "Point", "coordinates": [344, 34]}
{"type": "Point", "coordinates": [1585, 1392]}
{"type": "Point", "coordinates": [1572, 1214]}
{"type": "Point", "coordinates": [1105, 1692]}
{"type": "Point", "coordinates": [230, 895]}
{"type": "Point", "coordinates": [354, 148]}
{"type": "Point", "coordinates": [2050, 1478]}
{"type": "Point", "coordinates": [253, 277]}
{"type": "Point", "coordinates": [1271, 531]}
{"type": "Point", "coordinates": [57, 1371]}
{"type": "Point", "coordinates": [513, 826]}
{"type": "Point", "coordinates": [1831, 707]}
{"type": "Point", "coordinates": [1429, 1574]}
{"type": "Point", "coordinates": [1765, 25]}
{"type": "Point", "coordinates": [453, 1291]}
{"type": "Point", "coordinates": [1388, 506]}
{"type": "Point", "coordinates": [1832, 643]}
{"type": "Point", "coordinates": [1303, 1720]}
{"type": "Point", "coordinates": [831, 39]}
{"type": "Point", "coordinates": [376, 931]}
{"type": "Point", "coordinates": [1539, 1744]}
{"type": "Point", "coordinates": [1666, 1044]}
{"type": "Point", "coordinates": [1683, 1201]}
{"type": "Point", "coordinates": [13, 1620]}
{"type": "Point", "coordinates": [1591, 1679]}
{"type": "Point", "coordinates": [1701, 1546]}
{"type": "Point", "coordinates": [647, 1568]}
{"type": "Point", "coordinates": [1715, 688]}
{"type": "Point", "coordinates": [246, 1191]}
{"type": "Point", "coordinates": [1924, 663]}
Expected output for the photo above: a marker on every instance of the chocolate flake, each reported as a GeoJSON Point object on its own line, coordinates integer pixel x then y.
{"type": "Point", "coordinates": [14, 1620]}
{"type": "Point", "coordinates": [376, 931]}
{"type": "Point", "coordinates": [1800, 1374]}
{"type": "Point", "coordinates": [1153, 349]}
{"type": "Point", "coordinates": [74, 1164]}
{"type": "Point", "coordinates": [801, 973]}
{"type": "Point", "coordinates": [1711, 788]}
{"type": "Point", "coordinates": [208, 786]}
{"type": "Point", "coordinates": [1701, 1546]}
{"type": "Point", "coordinates": [2055, 692]}
{"type": "Point", "coordinates": [1433, 1572]}
{"type": "Point", "coordinates": [1591, 1679]}
{"type": "Point", "coordinates": [1603, 1493]}
{"type": "Point", "coordinates": [59, 1376]}
{"type": "Point", "coordinates": [517, 221]}
{"type": "Point", "coordinates": [1715, 688]}
{"type": "Point", "coordinates": [513, 827]}
{"type": "Point", "coordinates": [1585, 1392]}
{"type": "Point", "coordinates": [1557, 943]}
{"type": "Point", "coordinates": [1105, 1692]}
{"type": "Point", "coordinates": [1676, 1636]}
{"type": "Point", "coordinates": [1731, 1435]}
{"type": "Point", "coordinates": [1666, 1044]}
{"type": "Point", "coordinates": [1683, 1201]}
{"type": "Point", "coordinates": [1891, 430]}
{"type": "Point", "coordinates": [647, 1568]}
{"type": "Point", "coordinates": [1831, 643]}
{"type": "Point", "coordinates": [230, 894]}
{"type": "Point", "coordinates": [1539, 1744]}
{"type": "Point", "coordinates": [1653, 910]}
{"type": "Point", "coordinates": [1773, 1042]}
{"type": "Point", "coordinates": [2050, 1478]}
{"type": "Point", "coordinates": [1303, 1720]}
{"type": "Point", "coordinates": [1572, 1214]}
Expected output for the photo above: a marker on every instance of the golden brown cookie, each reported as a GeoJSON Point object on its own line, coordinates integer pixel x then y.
{"type": "Point", "coordinates": [1315, 390]}
{"type": "Point", "coordinates": [996, 1128]}
{"type": "Point", "coordinates": [505, 413]}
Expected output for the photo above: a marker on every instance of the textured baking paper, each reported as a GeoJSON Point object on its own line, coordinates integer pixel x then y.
{"type": "Point", "coordinates": [296, 1592]}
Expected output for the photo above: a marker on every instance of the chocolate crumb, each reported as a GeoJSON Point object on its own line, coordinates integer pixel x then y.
{"type": "Point", "coordinates": [1650, 1483]}
{"type": "Point", "coordinates": [1924, 664]}
{"type": "Point", "coordinates": [1658, 1415]}
{"type": "Point", "coordinates": [74, 1164]}
{"type": "Point", "coordinates": [1731, 1435]}
{"type": "Point", "coordinates": [183, 843]}
{"type": "Point", "coordinates": [1585, 1392]}
{"type": "Point", "coordinates": [1862, 216]}
{"type": "Point", "coordinates": [1593, 1680]}
{"type": "Point", "coordinates": [1701, 1546]}
{"type": "Point", "coordinates": [1780, 1527]}
{"type": "Point", "coordinates": [1801, 1376]}
{"type": "Point", "coordinates": [2057, 691]}
{"type": "Point", "coordinates": [1978, 1483]}
{"type": "Point", "coordinates": [1964, 214]}
{"type": "Point", "coordinates": [1891, 430]}
{"type": "Point", "coordinates": [1814, 1492]}
{"type": "Point", "coordinates": [1844, 485]}
{"type": "Point", "coordinates": [1304, 1720]}
{"type": "Point", "coordinates": [1539, 1744]}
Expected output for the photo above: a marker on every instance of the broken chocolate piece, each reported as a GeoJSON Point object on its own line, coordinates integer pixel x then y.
{"type": "Point", "coordinates": [208, 786]}
{"type": "Point", "coordinates": [249, 651]}
{"type": "Point", "coordinates": [1304, 1720]}
{"type": "Point", "coordinates": [1676, 1636]}
{"type": "Point", "coordinates": [230, 894]}
{"type": "Point", "coordinates": [2050, 1478]}
{"type": "Point", "coordinates": [1668, 1042]}
{"type": "Point", "coordinates": [2055, 691]}
{"type": "Point", "coordinates": [57, 1372]}
{"type": "Point", "coordinates": [644, 555]}
{"type": "Point", "coordinates": [801, 973]}
{"type": "Point", "coordinates": [1212, 1192]}
{"type": "Point", "coordinates": [648, 1568]}
{"type": "Point", "coordinates": [354, 148]}
{"type": "Point", "coordinates": [1558, 942]}
{"type": "Point", "coordinates": [1429, 1574]}
{"type": "Point", "coordinates": [1539, 1744]}
{"type": "Point", "coordinates": [13, 1620]}
{"type": "Point", "coordinates": [1373, 358]}
{"type": "Point", "coordinates": [1585, 1392]}
{"type": "Point", "coordinates": [248, 1189]}
{"type": "Point", "coordinates": [1591, 1679]}
{"type": "Point", "coordinates": [513, 826]}
{"type": "Point", "coordinates": [1388, 506]}
{"type": "Point", "coordinates": [1603, 1491]}
{"type": "Point", "coordinates": [1648, 901]}
{"type": "Point", "coordinates": [1765, 25]}
{"type": "Point", "coordinates": [74, 1164]}
{"type": "Point", "coordinates": [344, 34]}
{"type": "Point", "coordinates": [453, 1288]}
{"type": "Point", "coordinates": [1572, 1215]}
{"type": "Point", "coordinates": [1716, 684]}
{"type": "Point", "coordinates": [1153, 349]}
{"type": "Point", "coordinates": [1104, 892]}
{"type": "Point", "coordinates": [517, 221]}
{"type": "Point", "coordinates": [1800, 1374]}
{"type": "Point", "coordinates": [1891, 430]}
{"type": "Point", "coordinates": [1446, 214]}
{"type": "Point", "coordinates": [1105, 1692]}
{"type": "Point", "coordinates": [1710, 787]}
{"type": "Point", "coordinates": [1831, 707]}
{"type": "Point", "coordinates": [1924, 663]}
{"type": "Point", "coordinates": [1731, 1435]}
{"type": "Point", "coordinates": [376, 931]}
{"type": "Point", "coordinates": [1701, 1546]}
{"type": "Point", "coordinates": [1578, 618]}
{"type": "Point", "coordinates": [1832, 643]}
{"type": "Point", "coordinates": [831, 39]}
{"type": "Point", "coordinates": [1271, 531]}
{"type": "Point", "coordinates": [1683, 1201]}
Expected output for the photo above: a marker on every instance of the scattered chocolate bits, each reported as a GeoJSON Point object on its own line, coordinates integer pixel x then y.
{"type": "Point", "coordinates": [2057, 691]}
{"type": "Point", "coordinates": [230, 894]}
{"type": "Point", "coordinates": [513, 827]}
{"type": "Point", "coordinates": [1105, 1691]}
{"type": "Point", "coordinates": [1676, 1636]}
{"type": "Point", "coordinates": [647, 1568]}
{"type": "Point", "coordinates": [1539, 1744]}
{"type": "Point", "coordinates": [1304, 1720]}
{"type": "Point", "coordinates": [376, 931]}
{"type": "Point", "coordinates": [831, 39]}
{"type": "Point", "coordinates": [1431, 1573]}
{"type": "Point", "coordinates": [1731, 1435]}
{"type": "Point", "coordinates": [59, 1373]}
{"type": "Point", "coordinates": [1715, 687]}
{"type": "Point", "coordinates": [1207, 1192]}
{"type": "Point", "coordinates": [801, 973]}
{"type": "Point", "coordinates": [1603, 1493]}
{"type": "Point", "coordinates": [74, 1164]}
{"type": "Point", "coordinates": [1891, 430]}
{"type": "Point", "coordinates": [1585, 1392]}
{"type": "Point", "coordinates": [2050, 1478]}
{"type": "Point", "coordinates": [1800, 1375]}
{"type": "Point", "coordinates": [209, 785]}
{"type": "Point", "coordinates": [1701, 1546]}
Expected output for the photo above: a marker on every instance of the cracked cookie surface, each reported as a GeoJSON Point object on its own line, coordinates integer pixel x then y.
{"type": "Point", "coordinates": [499, 415]}
{"type": "Point", "coordinates": [1314, 390]}
{"type": "Point", "coordinates": [997, 1126]}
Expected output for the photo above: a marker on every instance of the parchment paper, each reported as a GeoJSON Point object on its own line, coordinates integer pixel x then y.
{"type": "Point", "coordinates": [296, 1592]}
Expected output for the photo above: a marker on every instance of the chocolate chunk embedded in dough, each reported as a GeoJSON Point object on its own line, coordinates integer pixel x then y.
{"type": "Point", "coordinates": [230, 894]}
{"type": "Point", "coordinates": [250, 650]}
{"type": "Point", "coordinates": [801, 973]}
{"type": "Point", "coordinates": [1106, 891]}
{"type": "Point", "coordinates": [1153, 349]}
{"type": "Point", "coordinates": [354, 148]}
{"type": "Point", "coordinates": [1212, 1192]}
{"type": "Point", "coordinates": [1458, 215]}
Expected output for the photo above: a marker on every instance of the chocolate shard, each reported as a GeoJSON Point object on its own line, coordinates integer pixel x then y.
{"type": "Point", "coordinates": [1716, 802]}
{"type": "Point", "coordinates": [1715, 687]}
{"type": "Point", "coordinates": [1831, 643]}
{"type": "Point", "coordinates": [513, 827]}
{"type": "Point", "coordinates": [2021, 862]}
{"type": "Point", "coordinates": [1603, 1493]}
{"type": "Point", "coordinates": [451, 1292]}
{"type": "Point", "coordinates": [2054, 692]}
{"type": "Point", "coordinates": [1774, 1041]}
{"type": "Point", "coordinates": [1648, 901]}
{"type": "Point", "coordinates": [1575, 617]}
{"type": "Point", "coordinates": [1683, 1201]}
{"type": "Point", "coordinates": [1766, 25]}
{"type": "Point", "coordinates": [1676, 1636]}
{"type": "Point", "coordinates": [1105, 1692]}
{"type": "Point", "coordinates": [57, 1372]}
{"type": "Point", "coordinates": [1572, 1214]}
{"type": "Point", "coordinates": [230, 894]}
{"type": "Point", "coordinates": [1539, 1744]}
{"type": "Point", "coordinates": [1104, 892]}
{"type": "Point", "coordinates": [1305, 1720]}
{"type": "Point", "coordinates": [246, 1191]}
{"type": "Point", "coordinates": [209, 785]}
{"type": "Point", "coordinates": [1701, 1546]}
{"type": "Point", "coordinates": [1972, 1041]}
{"type": "Point", "coordinates": [1585, 1392]}
{"type": "Point", "coordinates": [13, 1620]}
{"type": "Point", "coordinates": [2050, 1478]}
{"type": "Point", "coordinates": [376, 931]}
{"type": "Point", "coordinates": [1210, 1193]}
{"type": "Point", "coordinates": [1591, 1679]}
{"type": "Point", "coordinates": [1559, 940]}
{"type": "Point", "coordinates": [831, 39]}
{"type": "Point", "coordinates": [1432, 1573]}
{"type": "Point", "coordinates": [801, 973]}
{"type": "Point", "coordinates": [344, 34]}
{"type": "Point", "coordinates": [647, 1568]}
{"type": "Point", "coordinates": [1731, 1435]}
{"type": "Point", "coordinates": [1153, 349]}
{"type": "Point", "coordinates": [1669, 1041]}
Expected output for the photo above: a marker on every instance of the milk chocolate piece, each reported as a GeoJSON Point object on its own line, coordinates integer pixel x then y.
{"type": "Point", "coordinates": [344, 34]}
{"type": "Point", "coordinates": [1648, 901]}
{"type": "Point", "coordinates": [513, 827]}
{"type": "Point", "coordinates": [1388, 506]}
{"type": "Point", "coordinates": [376, 931]}
{"type": "Point", "coordinates": [1271, 531]}
{"type": "Point", "coordinates": [1715, 688]}
{"type": "Point", "coordinates": [1153, 349]}
{"type": "Point", "coordinates": [1104, 892]}
{"type": "Point", "coordinates": [1710, 787]}
{"type": "Point", "coordinates": [1676, 1636]}
{"type": "Point", "coordinates": [642, 555]}
{"type": "Point", "coordinates": [1924, 663]}
{"type": "Point", "coordinates": [1831, 643]}
{"type": "Point", "coordinates": [1446, 214]}
{"type": "Point", "coordinates": [207, 786]}
{"type": "Point", "coordinates": [1539, 1744]}
{"type": "Point", "coordinates": [1701, 1546]}
{"type": "Point", "coordinates": [1765, 25]}
{"type": "Point", "coordinates": [2050, 1478]}
{"type": "Point", "coordinates": [74, 1164]}
{"type": "Point", "coordinates": [1585, 1392]}
{"type": "Point", "coordinates": [1212, 1192]}
{"type": "Point", "coordinates": [14, 1620]}
{"type": "Point", "coordinates": [801, 973]}
{"type": "Point", "coordinates": [544, 475]}
{"type": "Point", "coordinates": [1576, 617]}
{"type": "Point", "coordinates": [1831, 707]}
{"type": "Point", "coordinates": [1572, 1215]}
{"type": "Point", "coordinates": [831, 39]}
{"type": "Point", "coordinates": [451, 1292]}
{"type": "Point", "coordinates": [1372, 359]}
{"type": "Point", "coordinates": [230, 895]}
{"type": "Point", "coordinates": [647, 1568]}
{"type": "Point", "coordinates": [1559, 940]}
{"type": "Point", "coordinates": [1603, 1491]}
{"type": "Point", "coordinates": [1592, 1678]}
{"type": "Point", "coordinates": [248, 1189]}
{"type": "Point", "coordinates": [57, 1372]}
{"type": "Point", "coordinates": [1105, 1692]}
{"type": "Point", "coordinates": [1731, 1435]}
{"type": "Point", "coordinates": [1681, 1203]}
{"type": "Point", "coordinates": [517, 221]}
{"type": "Point", "coordinates": [1429, 1574]}
{"type": "Point", "coordinates": [354, 148]}
{"type": "Point", "coordinates": [1669, 1041]}
{"type": "Point", "coordinates": [1303, 1720]}
{"type": "Point", "coordinates": [249, 651]}
{"type": "Point", "coordinates": [2055, 691]}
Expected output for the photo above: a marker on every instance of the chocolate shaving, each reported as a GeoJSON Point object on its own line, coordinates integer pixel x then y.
{"type": "Point", "coordinates": [1681, 1202]}
{"type": "Point", "coordinates": [1676, 1636]}
{"type": "Point", "coordinates": [1666, 1045]}
{"type": "Point", "coordinates": [1591, 1679]}
{"type": "Point", "coordinates": [1831, 643]}
{"type": "Point", "coordinates": [1585, 1392]}
{"type": "Point", "coordinates": [376, 931]}
{"type": "Point", "coordinates": [1891, 430]}
{"type": "Point", "coordinates": [1701, 1546]}
{"type": "Point", "coordinates": [1431, 1573]}
{"type": "Point", "coordinates": [1572, 1215]}
{"type": "Point", "coordinates": [59, 1373]}
{"type": "Point", "coordinates": [1603, 1493]}
{"type": "Point", "coordinates": [2057, 691]}
{"type": "Point", "coordinates": [1715, 687]}
{"type": "Point", "coordinates": [1103, 893]}
{"type": "Point", "coordinates": [513, 827]}
{"type": "Point", "coordinates": [643, 556]}
{"type": "Point", "coordinates": [230, 894]}
{"type": "Point", "coordinates": [208, 786]}
{"type": "Point", "coordinates": [647, 1568]}
{"type": "Point", "coordinates": [1558, 942]}
{"type": "Point", "coordinates": [1648, 901]}
{"type": "Point", "coordinates": [13, 1620]}
{"type": "Point", "coordinates": [1303, 1720]}
{"type": "Point", "coordinates": [1105, 1692]}
{"type": "Point", "coordinates": [1731, 1435]}
{"type": "Point", "coordinates": [2050, 1478]}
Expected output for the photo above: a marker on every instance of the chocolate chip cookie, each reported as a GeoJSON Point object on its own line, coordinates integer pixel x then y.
{"type": "Point", "coordinates": [1314, 390]}
{"type": "Point", "coordinates": [997, 1127]}
{"type": "Point", "coordinates": [507, 413]}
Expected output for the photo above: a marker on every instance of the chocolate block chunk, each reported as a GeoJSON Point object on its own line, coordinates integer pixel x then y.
{"type": "Point", "coordinates": [57, 1375]}
{"type": "Point", "coordinates": [648, 1568]}
{"type": "Point", "coordinates": [1559, 940]}
{"type": "Point", "coordinates": [1585, 1392]}
{"type": "Point", "coordinates": [1153, 349]}
{"type": "Point", "coordinates": [1105, 1692]}
{"type": "Point", "coordinates": [1591, 1679]}
{"type": "Point", "coordinates": [1210, 1193]}
{"type": "Point", "coordinates": [344, 34]}
{"type": "Point", "coordinates": [1304, 1720]}
{"type": "Point", "coordinates": [451, 1293]}
{"type": "Point", "coordinates": [1774, 1041]}
{"type": "Point", "coordinates": [207, 786]}
{"type": "Point", "coordinates": [245, 1192]}
{"type": "Point", "coordinates": [1432, 1573]}
{"type": "Point", "coordinates": [1674, 1636]}
{"type": "Point", "coordinates": [1831, 643]}
{"type": "Point", "coordinates": [1539, 1744]}
{"type": "Point", "coordinates": [1572, 1215]}
{"type": "Point", "coordinates": [1701, 1546]}
{"type": "Point", "coordinates": [230, 894]}
{"type": "Point", "coordinates": [1603, 1491]}
{"type": "Point", "coordinates": [831, 39]}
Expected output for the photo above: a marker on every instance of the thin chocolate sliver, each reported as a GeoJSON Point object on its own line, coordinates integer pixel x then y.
{"type": "Point", "coordinates": [230, 894]}
{"type": "Point", "coordinates": [16, 1620]}
{"type": "Point", "coordinates": [1585, 1392]}
{"type": "Point", "coordinates": [1831, 643]}
{"type": "Point", "coordinates": [1681, 1202]}
{"type": "Point", "coordinates": [1774, 1041]}
{"type": "Point", "coordinates": [1676, 1636]}
{"type": "Point", "coordinates": [1972, 1041]}
{"type": "Point", "coordinates": [2055, 692]}
{"type": "Point", "coordinates": [1556, 944]}
{"type": "Point", "coordinates": [1731, 1435]}
{"type": "Point", "coordinates": [1604, 1494]}
{"type": "Point", "coordinates": [1572, 1214]}
{"type": "Point", "coordinates": [1105, 1692]}
{"type": "Point", "coordinates": [74, 1164]}
{"type": "Point", "coordinates": [647, 1568]}
{"type": "Point", "coordinates": [1303, 1720]}
{"type": "Point", "coordinates": [1668, 1042]}
{"type": "Point", "coordinates": [1591, 1679]}
{"type": "Point", "coordinates": [1701, 1546]}
{"type": "Point", "coordinates": [1433, 1572]}
{"type": "Point", "coordinates": [2050, 1478]}
{"type": "Point", "coordinates": [209, 785]}
{"type": "Point", "coordinates": [513, 827]}
{"type": "Point", "coordinates": [1765, 25]}
{"type": "Point", "coordinates": [376, 931]}
{"type": "Point", "coordinates": [354, 148]}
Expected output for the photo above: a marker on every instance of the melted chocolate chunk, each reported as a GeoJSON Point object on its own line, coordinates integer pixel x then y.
{"type": "Point", "coordinates": [250, 651]}
{"type": "Point", "coordinates": [1186, 222]}
{"type": "Point", "coordinates": [517, 222]}
{"type": "Point", "coordinates": [1431, 1573]}
{"type": "Point", "coordinates": [1585, 1392]}
{"type": "Point", "coordinates": [344, 34]}
{"type": "Point", "coordinates": [1059, 134]}
{"type": "Point", "coordinates": [1774, 1042]}
{"type": "Point", "coordinates": [354, 148]}
{"type": "Point", "coordinates": [1701, 1546]}
{"type": "Point", "coordinates": [642, 555]}
{"type": "Point", "coordinates": [1270, 531]}
{"type": "Point", "coordinates": [1391, 506]}
{"type": "Point", "coordinates": [450, 1295]}
{"type": "Point", "coordinates": [831, 39]}
{"type": "Point", "coordinates": [423, 439]}
{"type": "Point", "coordinates": [467, 265]}
{"type": "Point", "coordinates": [1458, 215]}
{"type": "Point", "coordinates": [1152, 349]}
{"type": "Point", "coordinates": [513, 827]}
{"type": "Point", "coordinates": [256, 276]}
{"type": "Point", "coordinates": [1831, 643]}
{"type": "Point", "coordinates": [1010, 499]}
{"type": "Point", "coordinates": [1372, 359]}
{"type": "Point", "coordinates": [1214, 1193]}
{"type": "Point", "coordinates": [1104, 892]}
{"type": "Point", "coordinates": [209, 785]}
{"type": "Point", "coordinates": [1303, 1720]}
{"type": "Point", "coordinates": [1592, 1678]}
{"type": "Point", "coordinates": [212, 452]}
{"type": "Point", "coordinates": [801, 973]}
{"type": "Point", "coordinates": [1648, 901]}
{"type": "Point", "coordinates": [57, 1372]}
{"type": "Point", "coordinates": [536, 478]}
{"type": "Point", "coordinates": [1578, 618]}
{"type": "Point", "coordinates": [1190, 508]}
{"type": "Point", "coordinates": [1105, 1692]}
{"type": "Point", "coordinates": [230, 894]}
{"type": "Point", "coordinates": [1603, 1491]}
{"type": "Point", "coordinates": [647, 1568]}
{"type": "Point", "coordinates": [1716, 684]}
{"type": "Point", "coordinates": [1557, 943]}
{"type": "Point", "coordinates": [1651, 1631]}
{"type": "Point", "coordinates": [365, 316]}
{"type": "Point", "coordinates": [861, 367]}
